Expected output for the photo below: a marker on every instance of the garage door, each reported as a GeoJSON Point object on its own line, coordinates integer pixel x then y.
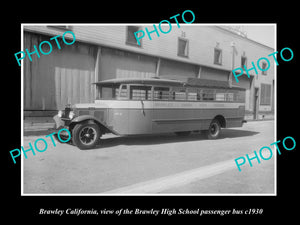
{"type": "Point", "coordinates": [64, 76]}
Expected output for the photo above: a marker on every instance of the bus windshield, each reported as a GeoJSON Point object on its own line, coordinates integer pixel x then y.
{"type": "Point", "coordinates": [108, 91]}
{"type": "Point", "coordinates": [112, 92]}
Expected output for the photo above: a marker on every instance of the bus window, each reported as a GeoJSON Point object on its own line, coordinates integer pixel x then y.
{"type": "Point", "coordinates": [240, 96]}
{"type": "Point", "coordinates": [178, 93]}
{"type": "Point", "coordinates": [220, 96]}
{"type": "Point", "coordinates": [229, 97]}
{"type": "Point", "coordinates": [208, 94]}
{"type": "Point", "coordinates": [123, 92]}
{"type": "Point", "coordinates": [109, 92]}
{"type": "Point", "coordinates": [161, 93]}
{"type": "Point", "coordinates": [140, 92]}
{"type": "Point", "coordinates": [192, 95]}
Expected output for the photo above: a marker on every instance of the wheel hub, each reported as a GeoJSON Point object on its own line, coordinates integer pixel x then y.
{"type": "Point", "coordinates": [87, 135]}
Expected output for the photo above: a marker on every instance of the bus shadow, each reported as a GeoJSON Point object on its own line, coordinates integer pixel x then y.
{"type": "Point", "coordinates": [168, 138]}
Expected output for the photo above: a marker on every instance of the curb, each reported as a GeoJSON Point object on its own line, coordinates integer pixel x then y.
{"type": "Point", "coordinates": [31, 128]}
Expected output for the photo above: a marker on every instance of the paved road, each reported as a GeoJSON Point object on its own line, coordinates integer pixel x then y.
{"type": "Point", "coordinates": [164, 164]}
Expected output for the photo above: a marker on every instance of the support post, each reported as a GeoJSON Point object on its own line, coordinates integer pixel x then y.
{"type": "Point", "coordinates": [97, 71]}
{"type": "Point", "coordinates": [199, 72]}
{"type": "Point", "coordinates": [157, 68]}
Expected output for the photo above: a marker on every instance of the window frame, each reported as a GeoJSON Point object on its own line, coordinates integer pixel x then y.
{"type": "Point", "coordinates": [147, 88]}
{"type": "Point", "coordinates": [207, 94]}
{"type": "Point", "coordinates": [109, 95]}
{"type": "Point", "coordinates": [262, 66]}
{"type": "Point", "coordinates": [187, 46]}
{"type": "Point", "coordinates": [119, 97]}
{"type": "Point", "coordinates": [245, 64]}
{"type": "Point", "coordinates": [177, 92]}
{"type": "Point", "coordinates": [128, 42]}
{"type": "Point", "coordinates": [161, 99]}
{"type": "Point", "coordinates": [192, 94]}
{"type": "Point", "coordinates": [221, 56]}
{"type": "Point", "coordinates": [263, 92]}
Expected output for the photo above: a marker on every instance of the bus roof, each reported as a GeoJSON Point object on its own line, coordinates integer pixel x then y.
{"type": "Point", "coordinates": [157, 81]}
{"type": "Point", "coordinates": [190, 82]}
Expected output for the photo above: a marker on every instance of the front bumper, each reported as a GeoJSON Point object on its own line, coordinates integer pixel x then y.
{"type": "Point", "coordinates": [60, 123]}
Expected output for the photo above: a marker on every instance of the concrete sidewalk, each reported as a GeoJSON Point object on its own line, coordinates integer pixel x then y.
{"type": "Point", "coordinates": [37, 125]}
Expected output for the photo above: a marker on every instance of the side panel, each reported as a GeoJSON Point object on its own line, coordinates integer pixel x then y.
{"type": "Point", "coordinates": [140, 118]}
{"type": "Point", "coordinates": [173, 120]}
{"type": "Point", "coordinates": [119, 120]}
{"type": "Point", "coordinates": [185, 116]}
{"type": "Point", "coordinates": [135, 118]}
{"type": "Point", "coordinates": [237, 120]}
{"type": "Point", "coordinates": [146, 117]}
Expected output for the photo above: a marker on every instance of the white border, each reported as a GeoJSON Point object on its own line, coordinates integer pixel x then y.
{"type": "Point", "coordinates": [145, 24]}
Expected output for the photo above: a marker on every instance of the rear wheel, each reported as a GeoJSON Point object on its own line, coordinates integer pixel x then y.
{"type": "Point", "coordinates": [214, 129]}
{"type": "Point", "coordinates": [86, 135]}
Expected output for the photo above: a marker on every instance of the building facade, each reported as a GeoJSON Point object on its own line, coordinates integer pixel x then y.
{"type": "Point", "coordinates": [109, 51]}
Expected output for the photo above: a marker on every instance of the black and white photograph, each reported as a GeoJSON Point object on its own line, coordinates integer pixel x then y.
{"type": "Point", "coordinates": [132, 112]}
{"type": "Point", "coordinates": [148, 109]}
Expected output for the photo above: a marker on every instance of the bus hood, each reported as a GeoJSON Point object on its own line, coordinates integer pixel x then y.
{"type": "Point", "coordinates": [98, 104]}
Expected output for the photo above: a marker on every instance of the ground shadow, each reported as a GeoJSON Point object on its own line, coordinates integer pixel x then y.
{"type": "Point", "coordinates": [168, 138]}
{"type": "Point", "coordinates": [37, 132]}
{"type": "Point", "coordinates": [111, 141]}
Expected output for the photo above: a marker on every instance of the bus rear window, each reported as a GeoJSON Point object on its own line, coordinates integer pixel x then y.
{"type": "Point", "coordinates": [229, 97]}
{"type": "Point", "coordinates": [240, 96]}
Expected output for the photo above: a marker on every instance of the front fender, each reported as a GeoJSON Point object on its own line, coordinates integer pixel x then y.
{"type": "Point", "coordinates": [82, 118]}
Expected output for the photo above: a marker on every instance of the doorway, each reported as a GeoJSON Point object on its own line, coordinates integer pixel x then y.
{"type": "Point", "coordinates": [255, 108]}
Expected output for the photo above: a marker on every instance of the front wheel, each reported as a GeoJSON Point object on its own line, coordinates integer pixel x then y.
{"type": "Point", "coordinates": [86, 135]}
{"type": "Point", "coordinates": [214, 130]}
{"type": "Point", "coordinates": [63, 137]}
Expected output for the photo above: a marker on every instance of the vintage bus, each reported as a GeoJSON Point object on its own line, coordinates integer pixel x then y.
{"type": "Point", "coordinates": [151, 106]}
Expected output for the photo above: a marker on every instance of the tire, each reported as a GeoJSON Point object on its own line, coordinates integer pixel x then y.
{"type": "Point", "coordinates": [86, 135]}
{"type": "Point", "coordinates": [61, 137]}
{"type": "Point", "coordinates": [214, 130]}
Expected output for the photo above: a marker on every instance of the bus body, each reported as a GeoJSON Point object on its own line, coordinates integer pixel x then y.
{"type": "Point", "coordinates": [153, 105]}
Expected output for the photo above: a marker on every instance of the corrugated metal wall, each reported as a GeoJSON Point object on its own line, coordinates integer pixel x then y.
{"type": "Point", "coordinates": [177, 70]}
{"type": "Point", "coordinates": [64, 76]}
{"type": "Point", "coordinates": [202, 41]}
{"type": "Point", "coordinates": [120, 64]}
{"type": "Point", "coordinates": [213, 74]}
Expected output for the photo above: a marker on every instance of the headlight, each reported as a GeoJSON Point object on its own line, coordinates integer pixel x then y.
{"type": "Point", "coordinates": [60, 113]}
{"type": "Point", "coordinates": [71, 115]}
